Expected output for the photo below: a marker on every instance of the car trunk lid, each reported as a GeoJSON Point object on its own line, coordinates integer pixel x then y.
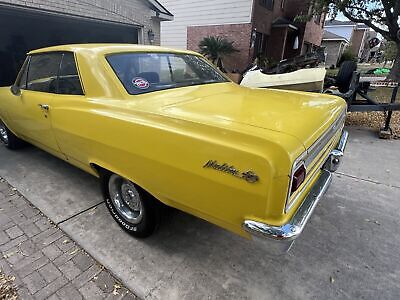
{"type": "Point", "coordinates": [303, 115]}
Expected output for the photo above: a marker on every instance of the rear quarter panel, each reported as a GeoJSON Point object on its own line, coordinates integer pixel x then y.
{"type": "Point", "coordinates": [165, 156]}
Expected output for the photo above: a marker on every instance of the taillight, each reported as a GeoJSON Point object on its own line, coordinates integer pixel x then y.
{"type": "Point", "coordinates": [298, 178]}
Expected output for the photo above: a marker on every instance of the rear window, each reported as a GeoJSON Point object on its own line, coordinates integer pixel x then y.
{"type": "Point", "coordinates": [148, 72]}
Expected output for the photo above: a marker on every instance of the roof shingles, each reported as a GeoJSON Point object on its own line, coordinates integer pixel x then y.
{"type": "Point", "coordinates": [330, 36]}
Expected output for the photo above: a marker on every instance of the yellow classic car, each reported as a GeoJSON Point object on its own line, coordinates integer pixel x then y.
{"type": "Point", "coordinates": [164, 127]}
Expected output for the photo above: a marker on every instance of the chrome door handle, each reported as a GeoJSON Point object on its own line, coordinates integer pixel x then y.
{"type": "Point", "coordinates": [45, 107]}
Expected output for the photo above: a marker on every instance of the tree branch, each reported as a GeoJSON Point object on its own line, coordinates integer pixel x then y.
{"type": "Point", "coordinates": [396, 10]}
{"type": "Point", "coordinates": [391, 20]}
{"type": "Point", "coordinates": [369, 23]}
{"type": "Point", "coordinates": [366, 11]}
{"type": "Point", "coordinates": [386, 7]}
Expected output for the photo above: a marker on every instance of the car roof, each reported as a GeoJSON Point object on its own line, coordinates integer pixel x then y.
{"type": "Point", "coordinates": [109, 49]}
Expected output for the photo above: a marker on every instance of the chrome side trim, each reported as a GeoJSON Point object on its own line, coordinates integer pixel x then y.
{"type": "Point", "coordinates": [343, 142]}
{"type": "Point", "coordinates": [318, 145]}
{"type": "Point", "coordinates": [309, 156]}
{"type": "Point", "coordinates": [287, 233]}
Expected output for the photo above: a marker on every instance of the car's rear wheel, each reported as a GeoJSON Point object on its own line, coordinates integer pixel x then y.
{"type": "Point", "coordinates": [132, 208]}
{"type": "Point", "coordinates": [8, 138]}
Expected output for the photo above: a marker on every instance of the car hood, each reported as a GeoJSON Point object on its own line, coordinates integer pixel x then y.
{"type": "Point", "coordinates": [302, 115]}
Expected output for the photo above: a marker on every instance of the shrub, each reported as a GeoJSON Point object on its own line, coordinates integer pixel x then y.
{"type": "Point", "coordinates": [347, 55]}
{"type": "Point", "coordinates": [216, 48]}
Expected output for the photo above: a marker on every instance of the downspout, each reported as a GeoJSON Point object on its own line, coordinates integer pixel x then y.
{"type": "Point", "coordinates": [251, 31]}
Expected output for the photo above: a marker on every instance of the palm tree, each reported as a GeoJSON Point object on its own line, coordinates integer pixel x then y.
{"type": "Point", "coordinates": [215, 48]}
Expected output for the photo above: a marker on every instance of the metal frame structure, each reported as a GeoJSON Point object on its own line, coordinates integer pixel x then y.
{"type": "Point", "coordinates": [366, 103]}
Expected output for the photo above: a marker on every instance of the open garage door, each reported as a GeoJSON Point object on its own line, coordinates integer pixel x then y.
{"type": "Point", "coordinates": [23, 29]}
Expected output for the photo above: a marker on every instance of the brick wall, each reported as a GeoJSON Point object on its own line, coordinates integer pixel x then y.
{"type": "Point", "coordinates": [294, 8]}
{"type": "Point", "coordinates": [277, 48]}
{"type": "Point", "coordinates": [240, 34]}
{"type": "Point", "coordinates": [357, 41]}
{"type": "Point", "coordinates": [313, 32]}
{"type": "Point", "coordinates": [135, 12]}
{"type": "Point", "coordinates": [263, 17]}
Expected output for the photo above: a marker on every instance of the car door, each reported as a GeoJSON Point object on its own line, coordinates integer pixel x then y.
{"type": "Point", "coordinates": [69, 111]}
{"type": "Point", "coordinates": [31, 110]}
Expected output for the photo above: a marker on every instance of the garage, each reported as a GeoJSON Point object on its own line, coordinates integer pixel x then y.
{"type": "Point", "coordinates": [23, 28]}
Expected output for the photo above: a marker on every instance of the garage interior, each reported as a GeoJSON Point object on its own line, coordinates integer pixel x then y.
{"type": "Point", "coordinates": [25, 29]}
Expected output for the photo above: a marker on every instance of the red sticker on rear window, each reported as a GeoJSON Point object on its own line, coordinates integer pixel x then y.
{"type": "Point", "coordinates": [141, 83]}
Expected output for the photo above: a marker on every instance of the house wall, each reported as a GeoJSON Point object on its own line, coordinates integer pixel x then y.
{"type": "Point", "coordinates": [310, 32]}
{"type": "Point", "coordinates": [262, 17]}
{"type": "Point", "coordinates": [239, 33]}
{"type": "Point", "coordinates": [236, 20]}
{"type": "Point", "coordinates": [135, 12]}
{"type": "Point", "coordinates": [200, 13]}
{"type": "Point", "coordinates": [334, 50]}
{"type": "Point", "coordinates": [367, 51]}
{"type": "Point", "coordinates": [357, 42]}
{"type": "Point", "coordinates": [294, 8]}
{"type": "Point", "coordinates": [313, 32]}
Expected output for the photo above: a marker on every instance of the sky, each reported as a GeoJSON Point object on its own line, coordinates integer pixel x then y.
{"type": "Point", "coordinates": [341, 17]}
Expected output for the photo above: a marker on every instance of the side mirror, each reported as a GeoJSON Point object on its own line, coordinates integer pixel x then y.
{"type": "Point", "coordinates": [15, 90]}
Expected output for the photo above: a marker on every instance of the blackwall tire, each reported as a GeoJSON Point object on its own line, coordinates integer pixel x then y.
{"type": "Point", "coordinates": [134, 210]}
{"type": "Point", "coordinates": [8, 138]}
{"type": "Point", "coordinates": [343, 78]}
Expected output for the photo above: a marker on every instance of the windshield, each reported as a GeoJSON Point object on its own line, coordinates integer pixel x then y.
{"type": "Point", "coordinates": [148, 72]}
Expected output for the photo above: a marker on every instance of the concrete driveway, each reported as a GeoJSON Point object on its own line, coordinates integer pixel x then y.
{"type": "Point", "coordinates": [350, 248]}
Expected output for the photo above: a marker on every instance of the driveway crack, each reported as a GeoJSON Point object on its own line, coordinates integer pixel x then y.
{"type": "Point", "coordinates": [79, 213]}
{"type": "Point", "coordinates": [367, 180]}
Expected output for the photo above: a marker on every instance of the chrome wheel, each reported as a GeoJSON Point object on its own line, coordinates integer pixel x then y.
{"type": "Point", "coordinates": [3, 133]}
{"type": "Point", "coordinates": [126, 199]}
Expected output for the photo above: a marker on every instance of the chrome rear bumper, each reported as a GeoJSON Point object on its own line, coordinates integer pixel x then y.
{"type": "Point", "coordinates": [333, 161]}
{"type": "Point", "coordinates": [279, 239]}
